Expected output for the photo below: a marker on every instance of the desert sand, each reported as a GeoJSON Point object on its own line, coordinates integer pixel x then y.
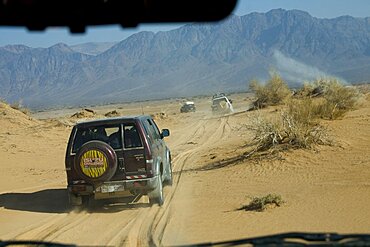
{"type": "Point", "coordinates": [325, 189]}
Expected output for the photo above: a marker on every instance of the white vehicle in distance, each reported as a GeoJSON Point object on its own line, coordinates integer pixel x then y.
{"type": "Point", "coordinates": [188, 106]}
{"type": "Point", "coordinates": [221, 104]}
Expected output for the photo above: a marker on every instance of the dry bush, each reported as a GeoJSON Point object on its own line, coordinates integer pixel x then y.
{"type": "Point", "coordinates": [84, 113]}
{"type": "Point", "coordinates": [18, 106]}
{"type": "Point", "coordinates": [296, 127]}
{"type": "Point", "coordinates": [363, 88]}
{"type": "Point", "coordinates": [160, 115]}
{"type": "Point", "coordinates": [302, 128]}
{"type": "Point", "coordinates": [113, 113]}
{"type": "Point", "coordinates": [338, 98]}
{"type": "Point", "coordinates": [267, 133]}
{"type": "Point", "coordinates": [303, 111]}
{"type": "Point", "coordinates": [274, 92]}
{"type": "Point", "coordinates": [301, 134]}
{"type": "Point", "coordinates": [25, 111]}
{"type": "Point", "coordinates": [260, 204]}
{"type": "Point", "coordinates": [305, 91]}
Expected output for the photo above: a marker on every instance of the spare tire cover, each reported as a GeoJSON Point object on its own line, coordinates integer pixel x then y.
{"type": "Point", "coordinates": [96, 161]}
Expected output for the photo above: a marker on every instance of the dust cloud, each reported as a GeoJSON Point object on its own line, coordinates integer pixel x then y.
{"type": "Point", "coordinates": [299, 72]}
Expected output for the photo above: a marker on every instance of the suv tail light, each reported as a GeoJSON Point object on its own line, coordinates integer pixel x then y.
{"type": "Point", "coordinates": [148, 161]}
{"type": "Point", "coordinates": [149, 167]}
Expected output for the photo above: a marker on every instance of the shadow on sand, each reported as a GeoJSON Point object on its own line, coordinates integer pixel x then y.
{"type": "Point", "coordinates": [56, 201]}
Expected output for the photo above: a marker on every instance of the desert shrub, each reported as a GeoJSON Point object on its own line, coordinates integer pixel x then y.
{"type": "Point", "coordinates": [304, 110]}
{"type": "Point", "coordinates": [305, 91]}
{"type": "Point", "coordinates": [274, 92]}
{"type": "Point", "coordinates": [296, 127]}
{"type": "Point", "coordinates": [18, 106]}
{"type": "Point", "coordinates": [300, 134]}
{"type": "Point", "coordinates": [267, 133]}
{"type": "Point", "coordinates": [25, 111]}
{"type": "Point", "coordinates": [363, 88]}
{"type": "Point", "coordinates": [159, 116]}
{"type": "Point", "coordinates": [113, 113]}
{"type": "Point", "coordinates": [338, 98]}
{"type": "Point", "coordinates": [261, 203]}
{"type": "Point", "coordinates": [84, 113]}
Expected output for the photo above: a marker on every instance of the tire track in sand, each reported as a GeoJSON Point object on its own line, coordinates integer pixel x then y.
{"type": "Point", "coordinates": [150, 228]}
{"type": "Point", "coordinates": [57, 223]}
{"type": "Point", "coordinates": [139, 231]}
{"type": "Point", "coordinates": [143, 226]}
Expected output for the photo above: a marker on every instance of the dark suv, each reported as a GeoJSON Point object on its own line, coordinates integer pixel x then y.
{"type": "Point", "coordinates": [188, 106]}
{"type": "Point", "coordinates": [117, 157]}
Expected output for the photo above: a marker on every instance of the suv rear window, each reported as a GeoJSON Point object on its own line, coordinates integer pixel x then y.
{"type": "Point", "coordinates": [108, 134]}
{"type": "Point", "coordinates": [132, 137]}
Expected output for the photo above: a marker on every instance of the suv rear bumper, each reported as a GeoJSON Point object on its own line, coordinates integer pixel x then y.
{"type": "Point", "coordinates": [115, 188]}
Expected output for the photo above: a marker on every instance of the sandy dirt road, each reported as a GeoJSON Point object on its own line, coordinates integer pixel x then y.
{"type": "Point", "coordinates": [326, 189]}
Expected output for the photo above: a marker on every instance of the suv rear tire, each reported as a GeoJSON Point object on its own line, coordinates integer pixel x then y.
{"type": "Point", "coordinates": [169, 178]}
{"type": "Point", "coordinates": [156, 196]}
{"type": "Point", "coordinates": [79, 202]}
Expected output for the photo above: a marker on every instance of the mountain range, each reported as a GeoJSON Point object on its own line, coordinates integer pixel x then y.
{"type": "Point", "coordinates": [191, 60]}
{"type": "Point", "coordinates": [93, 48]}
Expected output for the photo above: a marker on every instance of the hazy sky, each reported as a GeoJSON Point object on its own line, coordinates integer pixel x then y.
{"type": "Point", "coordinates": [317, 8]}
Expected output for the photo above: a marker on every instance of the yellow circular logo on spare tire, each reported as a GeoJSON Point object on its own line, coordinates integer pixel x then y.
{"type": "Point", "coordinates": [93, 163]}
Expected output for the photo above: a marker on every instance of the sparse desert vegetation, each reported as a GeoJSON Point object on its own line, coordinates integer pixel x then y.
{"type": "Point", "coordinates": [260, 204]}
{"type": "Point", "coordinates": [297, 122]}
{"type": "Point", "coordinates": [336, 98]}
{"type": "Point", "coordinates": [84, 113]}
{"type": "Point", "coordinates": [113, 113]}
{"type": "Point", "coordinates": [286, 131]}
{"type": "Point", "coordinates": [18, 106]}
{"type": "Point", "coordinates": [274, 92]}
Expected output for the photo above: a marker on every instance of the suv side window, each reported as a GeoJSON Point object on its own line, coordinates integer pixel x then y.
{"type": "Point", "coordinates": [146, 129]}
{"type": "Point", "coordinates": [150, 130]}
{"type": "Point", "coordinates": [153, 129]}
{"type": "Point", "coordinates": [156, 129]}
